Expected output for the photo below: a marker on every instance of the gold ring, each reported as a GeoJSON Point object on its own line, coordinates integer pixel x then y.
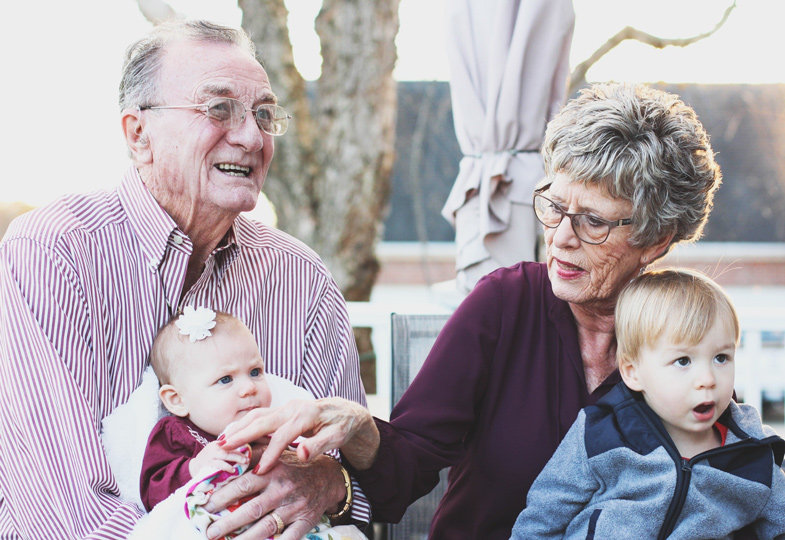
{"type": "Point", "coordinates": [278, 523]}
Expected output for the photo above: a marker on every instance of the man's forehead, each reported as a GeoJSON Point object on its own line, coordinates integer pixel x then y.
{"type": "Point", "coordinates": [215, 69]}
{"type": "Point", "coordinates": [229, 89]}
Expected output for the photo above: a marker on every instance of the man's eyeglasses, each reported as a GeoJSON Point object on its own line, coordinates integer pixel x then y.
{"type": "Point", "coordinates": [230, 113]}
{"type": "Point", "coordinates": [588, 228]}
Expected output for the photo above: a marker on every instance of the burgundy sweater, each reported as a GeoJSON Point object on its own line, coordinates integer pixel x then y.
{"type": "Point", "coordinates": [172, 444]}
{"type": "Point", "coordinates": [498, 391]}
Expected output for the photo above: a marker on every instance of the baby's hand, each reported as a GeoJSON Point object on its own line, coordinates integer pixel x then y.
{"type": "Point", "coordinates": [215, 457]}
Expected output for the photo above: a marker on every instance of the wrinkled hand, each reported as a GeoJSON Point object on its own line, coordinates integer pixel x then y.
{"type": "Point", "coordinates": [323, 424]}
{"type": "Point", "coordinates": [300, 493]}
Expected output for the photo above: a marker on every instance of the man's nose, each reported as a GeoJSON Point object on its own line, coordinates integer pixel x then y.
{"type": "Point", "coordinates": [247, 134]}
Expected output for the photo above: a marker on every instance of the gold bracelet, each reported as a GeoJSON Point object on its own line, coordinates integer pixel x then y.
{"type": "Point", "coordinates": [347, 481]}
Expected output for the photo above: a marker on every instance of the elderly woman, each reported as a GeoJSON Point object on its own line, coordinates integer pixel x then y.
{"type": "Point", "coordinates": [630, 172]}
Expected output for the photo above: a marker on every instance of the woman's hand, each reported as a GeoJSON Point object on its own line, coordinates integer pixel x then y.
{"type": "Point", "coordinates": [297, 492]}
{"type": "Point", "coordinates": [323, 424]}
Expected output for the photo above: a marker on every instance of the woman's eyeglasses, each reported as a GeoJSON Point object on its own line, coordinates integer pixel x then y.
{"type": "Point", "coordinates": [588, 228]}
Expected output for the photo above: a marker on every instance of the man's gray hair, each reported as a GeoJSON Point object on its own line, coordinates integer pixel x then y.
{"type": "Point", "coordinates": [642, 145]}
{"type": "Point", "coordinates": [138, 85]}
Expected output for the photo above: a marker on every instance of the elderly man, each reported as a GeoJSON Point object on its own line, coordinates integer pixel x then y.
{"type": "Point", "coordinates": [87, 281]}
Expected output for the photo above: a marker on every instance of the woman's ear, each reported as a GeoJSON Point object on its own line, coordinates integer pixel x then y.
{"type": "Point", "coordinates": [654, 252]}
{"type": "Point", "coordinates": [629, 374]}
{"type": "Point", "coordinates": [172, 400]}
{"type": "Point", "coordinates": [135, 136]}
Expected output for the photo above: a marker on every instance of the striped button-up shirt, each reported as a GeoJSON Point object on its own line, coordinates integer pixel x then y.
{"type": "Point", "coordinates": [86, 282]}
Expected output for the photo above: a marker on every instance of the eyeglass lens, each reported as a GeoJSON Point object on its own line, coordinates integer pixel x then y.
{"type": "Point", "coordinates": [587, 228]}
{"type": "Point", "coordinates": [230, 112]}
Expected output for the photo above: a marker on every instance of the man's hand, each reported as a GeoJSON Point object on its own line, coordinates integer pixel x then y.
{"type": "Point", "coordinates": [300, 493]}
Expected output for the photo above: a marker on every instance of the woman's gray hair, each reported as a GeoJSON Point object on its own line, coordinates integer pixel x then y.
{"type": "Point", "coordinates": [642, 145]}
{"type": "Point", "coordinates": [138, 85]}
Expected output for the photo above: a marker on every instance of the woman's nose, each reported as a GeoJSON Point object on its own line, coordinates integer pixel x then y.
{"type": "Point", "coordinates": [564, 234]}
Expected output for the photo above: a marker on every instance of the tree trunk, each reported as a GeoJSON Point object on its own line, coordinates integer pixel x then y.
{"type": "Point", "coordinates": [330, 179]}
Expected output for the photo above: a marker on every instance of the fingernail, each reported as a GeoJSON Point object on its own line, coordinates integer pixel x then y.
{"type": "Point", "coordinates": [306, 453]}
{"type": "Point", "coordinates": [257, 468]}
{"type": "Point", "coordinates": [222, 440]}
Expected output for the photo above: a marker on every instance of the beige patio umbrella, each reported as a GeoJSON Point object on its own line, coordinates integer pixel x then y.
{"type": "Point", "coordinates": [509, 62]}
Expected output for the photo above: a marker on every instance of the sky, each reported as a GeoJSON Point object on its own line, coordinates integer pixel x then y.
{"type": "Point", "coordinates": [62, 62]}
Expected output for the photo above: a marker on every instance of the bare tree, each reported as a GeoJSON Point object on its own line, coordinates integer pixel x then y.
{"type": "Point", "coordinates": [578, 75]}
{"type": "Point", "coordinates": [330, 180]}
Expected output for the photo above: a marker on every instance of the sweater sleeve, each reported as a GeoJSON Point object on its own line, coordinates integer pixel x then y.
{"type": "Point", "coordinates": [430, 423]}
{"type": "Point", "coordinates": [165, 464]}
{"type": "Point", "coordinates": [561, 490]}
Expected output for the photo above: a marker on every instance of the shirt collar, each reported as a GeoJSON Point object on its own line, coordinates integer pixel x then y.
{"type": "Point", "coordinates": [227, 251]}
{"type": "Point", "coordinates": [723, 431]}
{"type": "Point", "coordinates": [154, 227]}
{"type": "Point", "coordinates": [151, 224]}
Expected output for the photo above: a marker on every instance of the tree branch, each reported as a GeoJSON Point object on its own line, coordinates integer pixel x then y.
{"type": "Point", "coordinates": [578, 75]}
{"type": "Point", "coordinates": [156, 11]}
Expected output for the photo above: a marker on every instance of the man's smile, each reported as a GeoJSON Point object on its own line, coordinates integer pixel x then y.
{"type": "Point", "coordinates": [233, 169]}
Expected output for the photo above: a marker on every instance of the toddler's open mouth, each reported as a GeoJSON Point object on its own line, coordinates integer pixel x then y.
{"type": "Point", "coordinates": [704, 411]}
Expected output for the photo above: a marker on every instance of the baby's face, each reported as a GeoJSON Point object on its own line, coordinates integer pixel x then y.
{"type": "Point", "coordinates": [222, 378]}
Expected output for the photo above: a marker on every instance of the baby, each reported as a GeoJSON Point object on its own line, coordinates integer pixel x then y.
{"type": "Point", "coordinates": [667, 452]}
{"type": "Point", "coordinates": [211, 374]}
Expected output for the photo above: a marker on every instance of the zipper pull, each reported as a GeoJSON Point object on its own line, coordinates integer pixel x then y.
{"type": "Point", "coordinates": [686, 466]}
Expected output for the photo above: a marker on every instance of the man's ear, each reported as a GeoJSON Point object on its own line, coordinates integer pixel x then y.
{"type": "Point", "coordinates": [629, 374]}
{"type": "Point", "coordinates": [135, 136]}
{"type": "Point", "coordinates": [172, 400]}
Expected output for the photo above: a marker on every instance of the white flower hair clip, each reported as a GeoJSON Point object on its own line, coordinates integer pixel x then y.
{"type": "Point", "coordinates": [196, 323]}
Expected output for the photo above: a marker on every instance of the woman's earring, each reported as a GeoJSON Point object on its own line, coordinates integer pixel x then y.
{"type": "Point", "coordinates": [645, 261]}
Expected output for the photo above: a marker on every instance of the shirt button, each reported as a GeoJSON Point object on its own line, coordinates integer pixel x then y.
{"type": "Point", "coordinates": [177, 239]}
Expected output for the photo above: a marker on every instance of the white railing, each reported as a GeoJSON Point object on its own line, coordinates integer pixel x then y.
{"type": "Point", "coordinates": [759, 368]}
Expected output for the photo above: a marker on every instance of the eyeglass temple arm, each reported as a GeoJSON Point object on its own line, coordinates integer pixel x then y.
{"type": "Point", "coordinates": [197, 106]}
{"type": "Point", "coordinates": [542, 188]}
